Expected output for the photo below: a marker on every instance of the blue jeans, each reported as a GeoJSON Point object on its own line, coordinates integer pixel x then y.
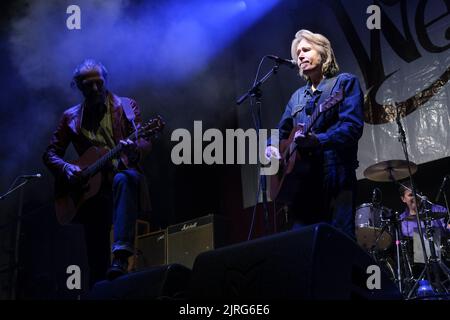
{"type": "Point", "coordinates": [126, 200]}
{"type": "Point", "coordinates": [340, 198]}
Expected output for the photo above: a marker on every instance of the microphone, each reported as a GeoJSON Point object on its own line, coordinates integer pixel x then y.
{"type": "Point", "coordinates": [289, 63]}
{"type": "Point", "coordinates": [441, 189]}
{"type": "Point", "coordinates": [32, 176]}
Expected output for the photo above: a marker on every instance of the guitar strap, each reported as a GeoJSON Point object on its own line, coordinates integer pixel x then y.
{"type": "Point", "coordinates": [129, 113]}
{"type": "Point", "coordinates": [144, 204]}
{"type": "Point", "coordinates": [326, 92]}
{"type": "Point", "coordinates": [315, 101]}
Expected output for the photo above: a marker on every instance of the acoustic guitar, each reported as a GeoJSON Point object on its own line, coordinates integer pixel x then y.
{"type": "Point", "coordinates": [69, 197]}
{"type": "Point", "coordinates": [283, 182]}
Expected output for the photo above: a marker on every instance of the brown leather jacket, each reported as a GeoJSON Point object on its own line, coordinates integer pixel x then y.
{"type": "Point", "coordinates": [69, 131]}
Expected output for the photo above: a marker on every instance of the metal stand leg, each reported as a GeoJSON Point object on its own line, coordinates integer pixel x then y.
{"type": "Point", "coordinates": [403, 264]}
{"type": "Point", "coordinates": [435, 261]}
{"type": "Point", "coordinates": [414, 288]}
{"type": "Point", "coordinates": [399, 262]}
{"type": "Point", "coordinates": [435, 264]}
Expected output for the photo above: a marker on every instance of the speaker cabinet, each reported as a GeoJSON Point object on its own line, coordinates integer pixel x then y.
{"type": "Point", "coordinates": [151, 250]}
{"type": "Point", "coordinates": [317, 262]}
{"type": "Point", "coordinates": [188, 239]}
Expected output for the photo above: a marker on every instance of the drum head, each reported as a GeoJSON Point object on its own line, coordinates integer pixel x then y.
{"type": "Point", "coordinates": [369, 216]}
{"type": "Point", "coordinates": [367, 238]}
{"type": "Point", "coordinates": [368, 226]}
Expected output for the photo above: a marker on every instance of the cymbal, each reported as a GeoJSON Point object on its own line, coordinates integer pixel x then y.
{"type": "Point", "coordinates": [434, 215]}
{"type": "Point", "coordinates": [382, 171]}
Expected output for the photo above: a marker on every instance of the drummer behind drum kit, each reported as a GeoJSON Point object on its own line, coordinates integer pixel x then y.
{"type": "Point", "coordinates": [378, 230]}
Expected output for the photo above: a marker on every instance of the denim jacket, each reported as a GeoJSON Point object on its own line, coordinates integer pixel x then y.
{"type": "Point", "coordinates": [338, 129]}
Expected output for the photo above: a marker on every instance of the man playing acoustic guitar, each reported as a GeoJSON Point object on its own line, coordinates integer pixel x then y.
{"type": "Point", "coordinates": [102, 123]}
{"type": "Point", "coordinates": [322, 124]}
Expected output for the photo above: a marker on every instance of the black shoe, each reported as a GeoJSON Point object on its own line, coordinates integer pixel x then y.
{"type": "Point", "coordinates": [119, 267]}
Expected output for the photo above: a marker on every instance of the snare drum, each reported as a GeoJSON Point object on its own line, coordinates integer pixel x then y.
{"type": "Point", "coordinates": [369, 221]}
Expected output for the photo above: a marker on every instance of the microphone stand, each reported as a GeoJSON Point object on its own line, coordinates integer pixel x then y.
{"type": "Point", "coordinates": [445, 200]}
{"type": "Point", "coordinates": [255, 93]}
{"type": "Point", "coordinates": [15, 239]}
{"type": "Point", "coordinates": [402, 139]}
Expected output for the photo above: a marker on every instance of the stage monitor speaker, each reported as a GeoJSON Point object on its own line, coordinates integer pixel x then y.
{"type": "Point", "coordinates": [151, 250]}
{"type": "Point", "coordinates": [316, 262]}
{"type": "Point", "coordinates": [188, 239]}
{"type": "Point", "coordinates": [163, 282]}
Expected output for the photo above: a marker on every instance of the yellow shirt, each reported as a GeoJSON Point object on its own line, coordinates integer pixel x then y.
{"type": "Point", "coordinates": [103, 137]}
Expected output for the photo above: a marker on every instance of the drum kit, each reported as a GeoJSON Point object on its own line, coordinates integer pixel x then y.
{"type": "Point", "coordinates": [378, 230]}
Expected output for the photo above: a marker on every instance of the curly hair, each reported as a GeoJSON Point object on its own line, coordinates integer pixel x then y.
{"type": "Point", "coordinates": [85, 66]}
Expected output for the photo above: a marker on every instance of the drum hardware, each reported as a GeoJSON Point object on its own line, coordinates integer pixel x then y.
{"type": "Point", "coordinates": [403, 275]}
{"type": "Point", "coordinates": [435, 264]}
{"type": "Point", "coordinates": [369, 222]}
{"type": "Point", "coordinates": [375, 225]}
{"type": "Point", "coordinates": [445, 249]}
{"type": "Point", "coordinates": [436, 215]}
{"type": "Point", "coordinates": [441, 192]}
{"type": "Point", "coordinates": [392, 171]}
{"type": "Point", "coordinates": [411, 169]}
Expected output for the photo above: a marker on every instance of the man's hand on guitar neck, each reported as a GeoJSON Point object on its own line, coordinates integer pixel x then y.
{"type": "Point", "coordinates": [308, 141]}
{"type": "Point", "coordinates": [130, 150]}
{"type": "Point", "coordinates": [128, 144]}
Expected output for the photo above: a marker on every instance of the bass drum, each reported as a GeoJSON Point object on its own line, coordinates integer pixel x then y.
{"type": "Point", "coordinates": [369, 221]}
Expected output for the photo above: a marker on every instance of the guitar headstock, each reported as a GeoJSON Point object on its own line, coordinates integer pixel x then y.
{"type": "Point", "coordinates": [332, 100]}
{"type": "Point", "coordinates": [151, 127]}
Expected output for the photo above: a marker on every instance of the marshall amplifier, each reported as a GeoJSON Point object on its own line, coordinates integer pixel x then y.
{"type": "Point", "coordinates": [188, 239]}
{"type": "Point", "coordinates": [151, 250]}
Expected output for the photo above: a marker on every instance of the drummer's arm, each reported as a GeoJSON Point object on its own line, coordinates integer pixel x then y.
{"type": "Point", "coordinates": [444, 221]}
{"type": "Point", "coordinates": [405, 229]}
{"type": "Point", "coordinates": [445, 224]}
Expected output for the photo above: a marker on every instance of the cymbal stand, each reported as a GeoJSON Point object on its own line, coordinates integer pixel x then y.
{"type": "Point", "coordinates": [403, 263]}
{"type": "Point", "coordinates": [404, 275]}
{"type": "Point", "coordinates": [402, 140]}
{"type": "Point", "coordinates": [435, 264]}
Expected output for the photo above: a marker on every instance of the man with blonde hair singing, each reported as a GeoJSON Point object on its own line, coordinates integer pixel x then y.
{"type": "Point", "coordinates": [326, 177]}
